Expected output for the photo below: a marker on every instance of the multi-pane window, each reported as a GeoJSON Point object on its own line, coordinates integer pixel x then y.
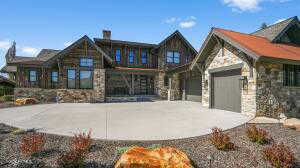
{"type": "Point", "coordinates": [32, 76]}
{"type": "Point", "coordinates": [144, 57]}
{"type": "Point", "coordinates": [118, 56]}
{"type": "Point", "coordinates": [54, 78]}
{"type": "Point", "coordinates": [173, 57]}
{"type": "Point", "coordinates": [86, 62]}
{"type": "Point", "coordinates": [86, 79]}
{"type": "Point", "coordinates": [71, 79]}
{"type": "Point", "coordinates": [131, 56]}
{"type": "Point", "coordinates": [291, 76]}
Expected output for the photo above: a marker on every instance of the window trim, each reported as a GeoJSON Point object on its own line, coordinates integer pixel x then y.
{"type": "Point", "coordinates": [173, 56]}
{"type": "Point", "coordinates": [116, 55]}
{"type": "Point", "coordinates": [134, 55]}
{"type": "Point", "coordinates": [92, 73]}
{"type": "Point", "coordinates": [68, 78]}
{"type": "Point", "coordinates": [29, 76]}
{"type": "Point", "coordinates": [87, 65]}
{"type": "Point", "coordinates": [286, 76]}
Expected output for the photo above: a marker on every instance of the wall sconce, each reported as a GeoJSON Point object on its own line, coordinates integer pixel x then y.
{"type": "Point", "coordinates": [206, 82]}
{"type": "Point", "coordinates": [244, 82]}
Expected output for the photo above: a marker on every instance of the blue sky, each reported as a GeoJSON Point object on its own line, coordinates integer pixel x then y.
{"type": "Point", "coordinates": [37, 24]}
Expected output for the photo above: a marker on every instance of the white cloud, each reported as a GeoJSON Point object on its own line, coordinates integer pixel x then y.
{"type": "Point", "coordinates": [5, 44]}
{"type": "Point", "coordinates": [172, 20]}
{"type": "Point", "coordinates": [68, 43]}
{"type": "Point", "coordinates": [188, 22]}
{"type": "Point", "coordinates": [29, 50]}
{"type": "Point", "coordinates": [248, 5]}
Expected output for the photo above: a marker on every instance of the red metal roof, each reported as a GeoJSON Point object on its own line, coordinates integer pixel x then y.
{"type": "Point", "coordinates": [262, 46]}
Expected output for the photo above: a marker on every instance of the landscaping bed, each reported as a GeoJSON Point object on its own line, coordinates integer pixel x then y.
{"type": "Point", "coordinates": [106, 153]}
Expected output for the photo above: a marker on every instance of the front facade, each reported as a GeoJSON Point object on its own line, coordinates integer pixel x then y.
{"type": "Point", "coordinates": [102, 69]}
{"type": "Point", "coordinates": [255, 74]}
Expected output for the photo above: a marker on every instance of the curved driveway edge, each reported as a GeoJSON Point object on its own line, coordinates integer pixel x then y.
{"type": "Point", "coordinates": [161, 120]}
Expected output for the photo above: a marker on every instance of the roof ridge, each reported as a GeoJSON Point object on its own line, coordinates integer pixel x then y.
{"type": "Point", "coordinates": [242, 33]}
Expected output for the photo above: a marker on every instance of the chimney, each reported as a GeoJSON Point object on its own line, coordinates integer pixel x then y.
{"type": "Point", "coordinates": [106, 34]}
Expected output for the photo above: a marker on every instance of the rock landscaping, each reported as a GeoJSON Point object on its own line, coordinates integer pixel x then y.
{"type": "Point", "coordinates": [199, 150]}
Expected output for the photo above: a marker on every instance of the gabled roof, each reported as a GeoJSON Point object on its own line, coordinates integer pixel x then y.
{"type": "Point", "coordinates": [274, 31]}
{"type": "Point", "coordinates": [177, 33]}
{"type": "Point", "coordinates": [75, 44]}
{"type": "Point", "coordinates": [257, 47]}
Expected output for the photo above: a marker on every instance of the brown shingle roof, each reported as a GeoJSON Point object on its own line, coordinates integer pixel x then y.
{"type": "Point", "coordinates": [46, 54]}
{"type": "Point", "coordinates": [274, 30]}
{"type": "Point", "coordinates": [124, 42]}
{"type": "Point", "coordinates": [7, 69]}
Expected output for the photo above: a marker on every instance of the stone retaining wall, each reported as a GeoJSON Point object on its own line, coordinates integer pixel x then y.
{"type": "Point", "coordinates": [74, 96]}
{"type": "Point", "coordinates": [42, 95]}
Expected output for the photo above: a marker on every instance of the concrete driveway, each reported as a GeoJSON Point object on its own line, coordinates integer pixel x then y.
{"type": "Point", "coordinates": [159, 120]}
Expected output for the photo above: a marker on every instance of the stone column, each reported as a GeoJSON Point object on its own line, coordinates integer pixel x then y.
{"type": "Point", "coordinates": [99, 85]}
{"type": "Point", "coordinates": [160, 88]}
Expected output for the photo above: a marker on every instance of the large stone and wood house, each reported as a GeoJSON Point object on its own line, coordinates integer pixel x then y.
{"type": "Point", "coordinates": [103, 69]}
{"type": "Point", "coordinates": [255, 74]}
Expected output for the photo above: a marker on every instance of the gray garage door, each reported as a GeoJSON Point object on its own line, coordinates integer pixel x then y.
{"type": "Point", "coordinates": [226, 90]}
{"type": "Point", "coordinates": [193, 89]}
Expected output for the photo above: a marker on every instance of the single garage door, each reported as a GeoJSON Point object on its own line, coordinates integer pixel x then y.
{"type": "Point", "coordinates": [193, 88]}
{"type": "Point", "coordinates": [226, 90]}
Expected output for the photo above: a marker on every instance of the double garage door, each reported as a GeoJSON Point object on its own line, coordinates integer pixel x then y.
{"type": "Point", "coordinates": [226, 92]}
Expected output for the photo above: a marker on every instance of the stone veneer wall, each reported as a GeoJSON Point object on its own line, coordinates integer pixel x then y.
{"type": "Point", "coordinates": [272, 97]}
{"type": "Point", "coordinates": [42, 95]}
{"type": "Point", "coordinates": [74, 95]}
{"type": "Point", "coordinates": [175, 87]}
{"type": "Point", "coordinates": [99, 85]}
{"type": "Point", "coordinates": [227, 56]}
{"type": "Point", "coordinates": [160, 89]}
{"type": "Point", "coordinates": [96, 95]}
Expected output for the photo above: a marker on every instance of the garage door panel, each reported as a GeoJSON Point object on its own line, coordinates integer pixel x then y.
{"type": "Point", "coordinates": [193, 89]}
{"type": "Point", "coordinates": [226, 90]}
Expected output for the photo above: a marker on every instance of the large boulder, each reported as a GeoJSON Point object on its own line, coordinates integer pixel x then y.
{"type": "Point", "coordinates": [23, 101]}
{"type": "Point", "coordinates": [162, 157]}
{"type": "Point", "coordinates": [293, 123]}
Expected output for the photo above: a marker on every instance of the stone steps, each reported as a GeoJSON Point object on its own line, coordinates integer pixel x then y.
{"type": "Point", "coordinates": [141, 98]}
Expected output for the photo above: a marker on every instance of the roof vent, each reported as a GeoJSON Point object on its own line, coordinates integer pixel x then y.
{"type": "Point", "coordinates": [106, 34]}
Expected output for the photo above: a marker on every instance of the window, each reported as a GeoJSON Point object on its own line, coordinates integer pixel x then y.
{"type": "Point", "coordinates": [86, 62]}
{"type": "Point", "coordinates": [86, 79]}
{"type": "Point", "coordinates": [71, 79]}
{"type": "Point", "coordinates": [118, 56]}
{"type": "Point", "coordinates": [291, 75]}
{"type": "Point", "coordinates": [32, 76]}
{"type": "Point", "coordinates": [173, 57]}
{"type": "Point", "coordinates": [54, 78]}
{"type": "Point", "coordinates": [131, 56]}
{"type": "Point", "coordinates": [144, 57]}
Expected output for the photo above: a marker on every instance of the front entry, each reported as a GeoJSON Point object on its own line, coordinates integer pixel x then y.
{"type": "Point", "coordinates": [226, 92]}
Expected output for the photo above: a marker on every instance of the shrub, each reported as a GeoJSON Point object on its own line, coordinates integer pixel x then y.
{"type": "Point", "coordinates": [79, 146]}
{"type": "Point", "coordinates": [257, 135]}
{"type": "Point", "coordinates": [81, 142]}
{"type": "Point", "coordinates": [71, 159]}
{"type": "Point", "coordinates": [7, 98]}
{"type": "Point", "coordinates": [220, 140]}
{"type": "Point", "coordinates": [32, 144]}
{"type": "Point", "coordinates": [279, 156]}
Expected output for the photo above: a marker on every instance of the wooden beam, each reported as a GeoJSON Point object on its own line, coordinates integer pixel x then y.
{"type": "Point", "coordinates": [127, 83]}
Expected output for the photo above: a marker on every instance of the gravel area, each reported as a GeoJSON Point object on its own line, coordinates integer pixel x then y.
{"type": "Point", "coordinates": [104, 154]}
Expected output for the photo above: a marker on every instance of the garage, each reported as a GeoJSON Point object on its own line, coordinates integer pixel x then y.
{"type": "Point", "coordinates": [226, 92]}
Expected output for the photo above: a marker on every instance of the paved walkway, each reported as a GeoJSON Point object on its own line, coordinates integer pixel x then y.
{"type": "Point", "coordinates": [159, 120]}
